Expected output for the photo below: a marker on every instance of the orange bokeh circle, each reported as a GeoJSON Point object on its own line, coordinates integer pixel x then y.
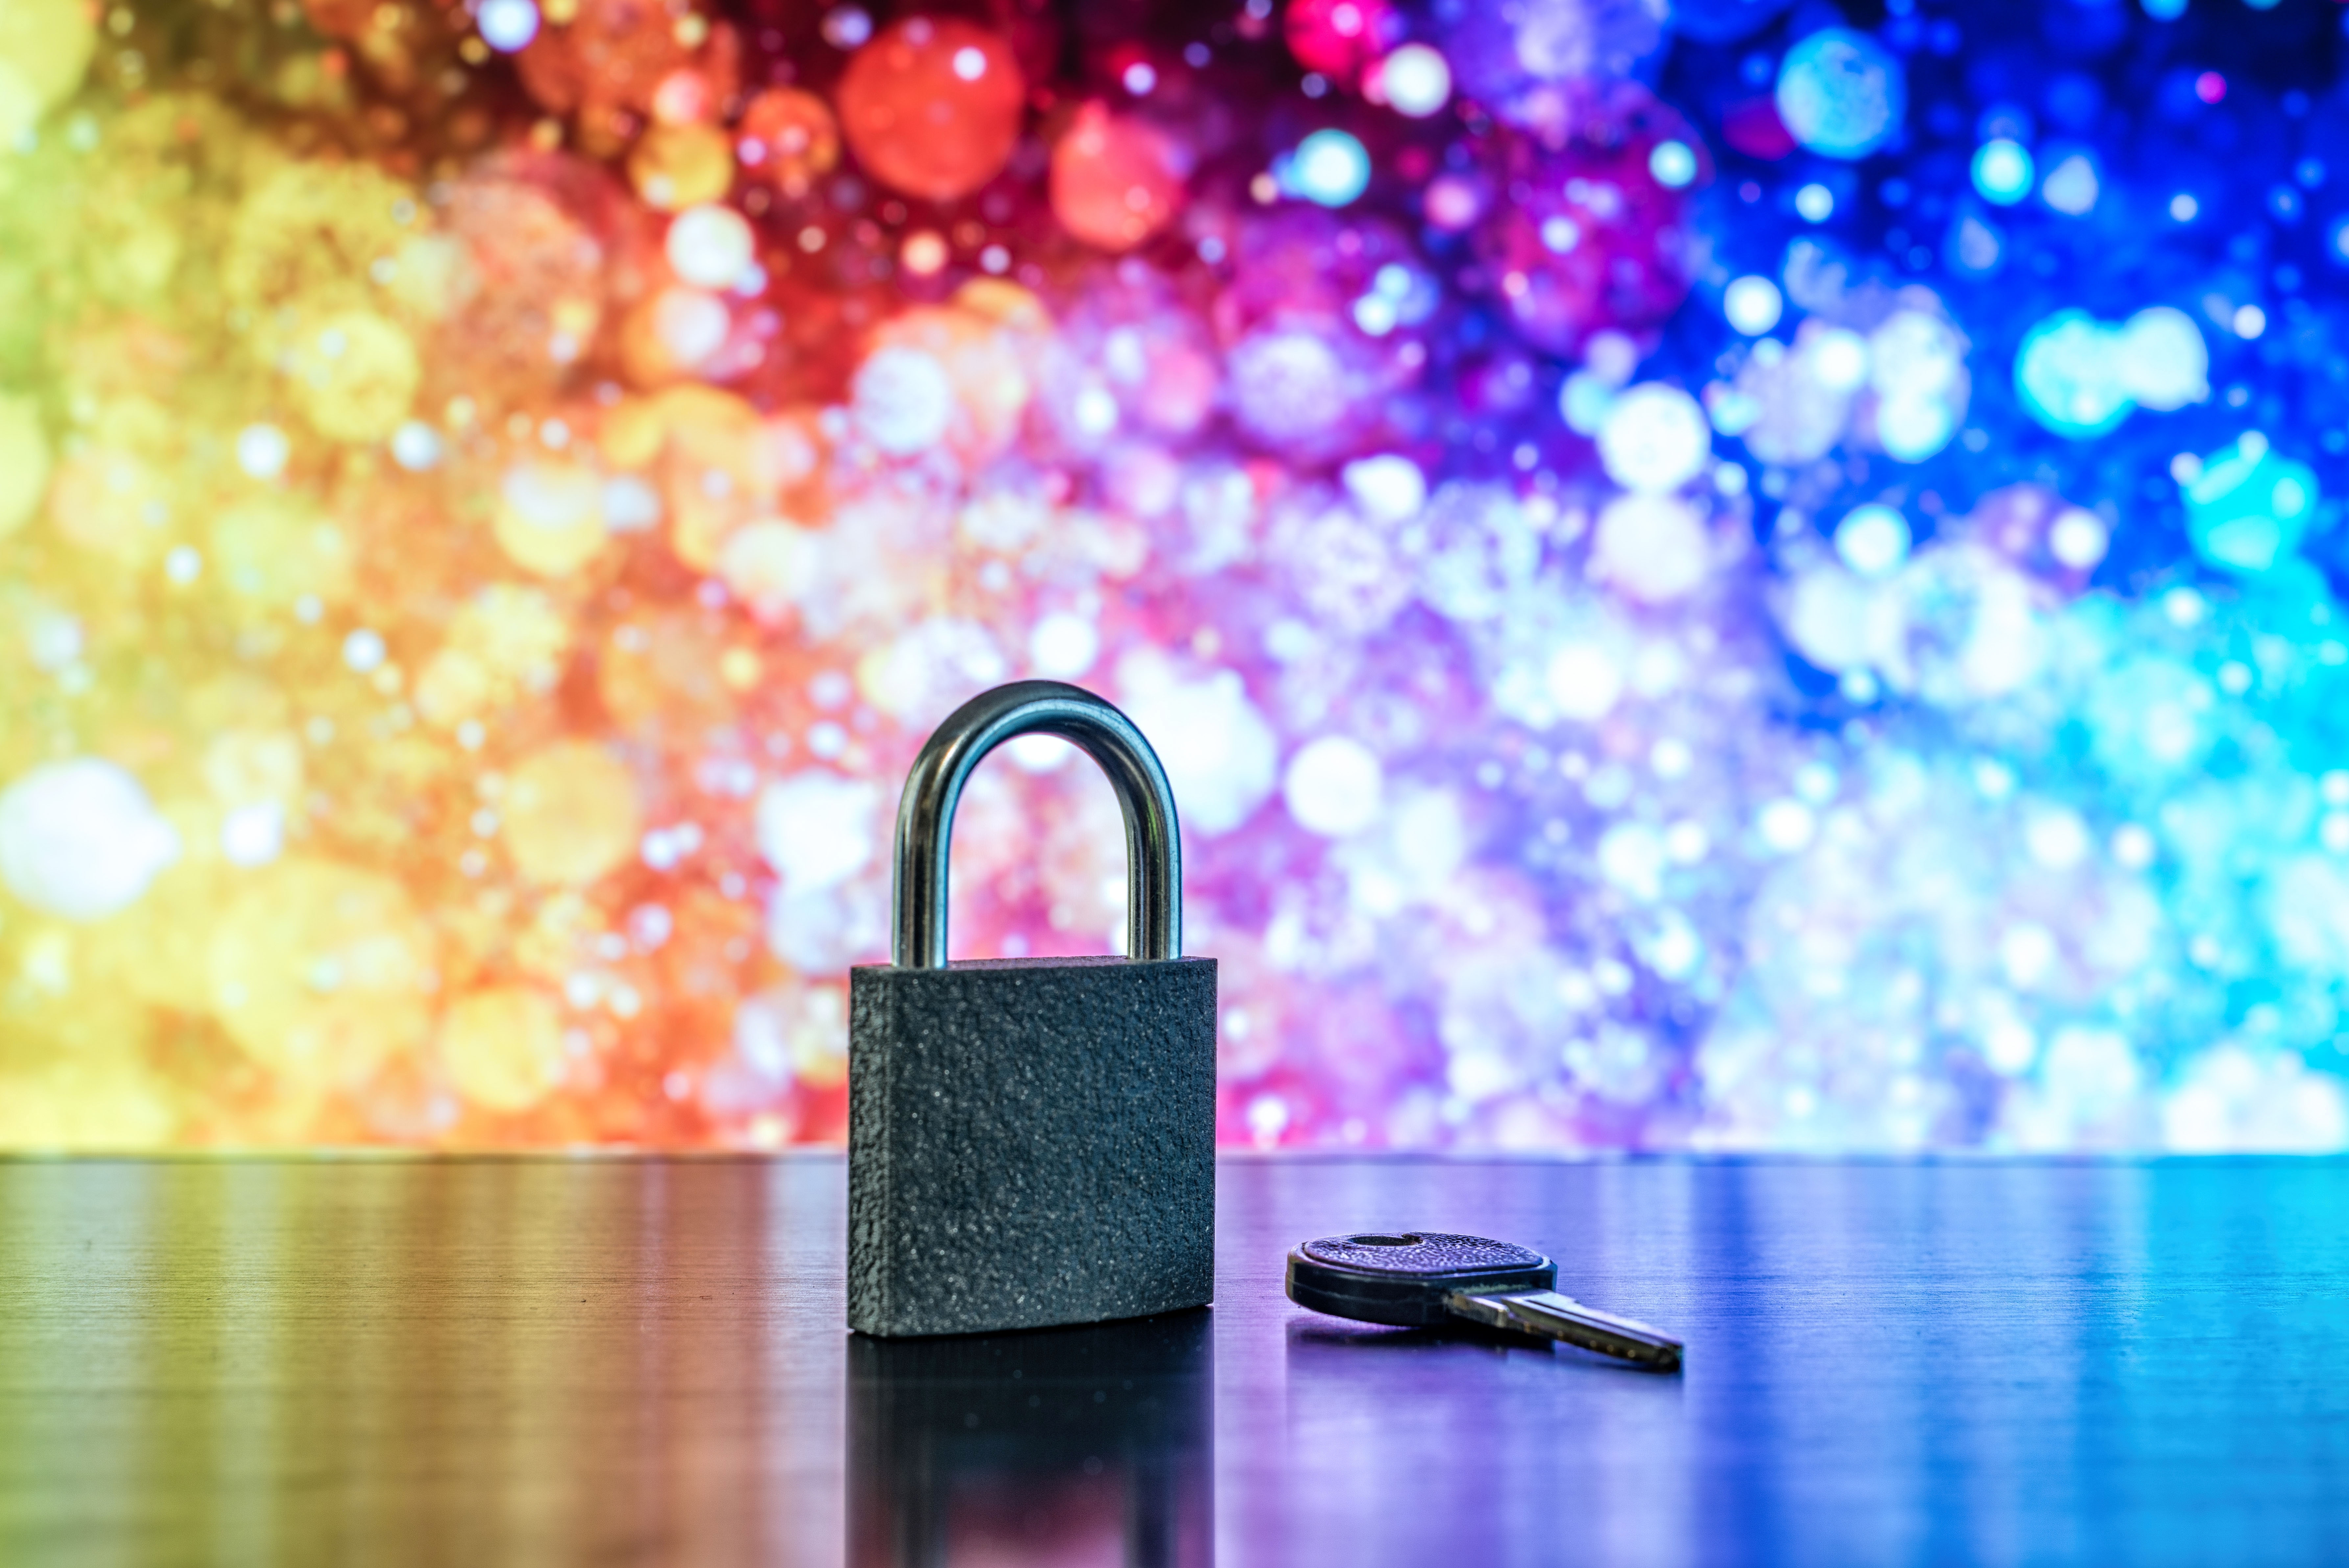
{"type": "Point", "coordinates": [932, 107]}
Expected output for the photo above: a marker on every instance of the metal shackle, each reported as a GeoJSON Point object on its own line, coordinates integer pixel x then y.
{"type": "Point", "coordinates": [1153, 843]}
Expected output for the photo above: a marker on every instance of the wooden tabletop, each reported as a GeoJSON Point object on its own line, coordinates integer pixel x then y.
{"type": "Point", "coordinates": [611, 1361]}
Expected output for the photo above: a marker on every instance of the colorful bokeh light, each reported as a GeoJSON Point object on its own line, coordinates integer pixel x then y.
{"type": "Point", "coordinates": [1730, 575]}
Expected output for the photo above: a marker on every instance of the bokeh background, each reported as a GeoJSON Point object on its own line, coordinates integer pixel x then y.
{"type": "Point", "coordinates": [1713, 575]}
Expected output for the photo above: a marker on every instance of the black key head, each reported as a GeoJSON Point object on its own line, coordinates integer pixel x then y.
{"type": "Point", "coordinates": [1402, 1278]}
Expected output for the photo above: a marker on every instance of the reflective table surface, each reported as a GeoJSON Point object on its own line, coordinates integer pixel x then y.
{"type": "Point", "coordinates": [622, 1361]}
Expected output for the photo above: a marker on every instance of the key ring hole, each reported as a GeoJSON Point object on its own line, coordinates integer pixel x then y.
{"type": "Point", "coordinates": [1383, 1241]}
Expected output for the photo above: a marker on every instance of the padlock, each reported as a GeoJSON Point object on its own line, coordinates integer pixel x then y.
{"type": "Point", "coordinates": [1032, 1141]}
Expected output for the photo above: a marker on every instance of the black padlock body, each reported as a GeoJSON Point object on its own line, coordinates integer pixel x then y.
{"type": "Point", "coordinates": [1032, 1142]}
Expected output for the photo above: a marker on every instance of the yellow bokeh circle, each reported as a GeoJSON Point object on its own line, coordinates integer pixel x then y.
{"type": "Point", "coordinates": [503, 1047]}
{"type": "Point", "coordinates": [570, 814]}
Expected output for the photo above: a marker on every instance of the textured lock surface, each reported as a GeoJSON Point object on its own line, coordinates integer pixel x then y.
{"type": "Point", "coordinates": [1031, 1141]}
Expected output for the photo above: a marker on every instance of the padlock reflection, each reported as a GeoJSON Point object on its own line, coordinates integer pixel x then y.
{"type": "Point", "coordinates": [1090, 1444]}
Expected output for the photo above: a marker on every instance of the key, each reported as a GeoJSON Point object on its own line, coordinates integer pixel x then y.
{"type": "Point", "coordinates": [1422, 1280]}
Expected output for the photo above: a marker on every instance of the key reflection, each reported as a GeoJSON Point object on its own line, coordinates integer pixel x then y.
{"type": "Point", "coordinates": [1067, 1446]}
{"type": "Point", "coordinates": [1495, 1439]}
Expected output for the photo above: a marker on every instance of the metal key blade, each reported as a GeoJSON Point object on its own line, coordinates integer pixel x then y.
{"type": "Point", "coordinates": [1554, 1316]}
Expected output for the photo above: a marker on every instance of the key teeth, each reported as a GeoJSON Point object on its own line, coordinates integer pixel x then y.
{"type": "Point", "coordinates": [1624, 1339]}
